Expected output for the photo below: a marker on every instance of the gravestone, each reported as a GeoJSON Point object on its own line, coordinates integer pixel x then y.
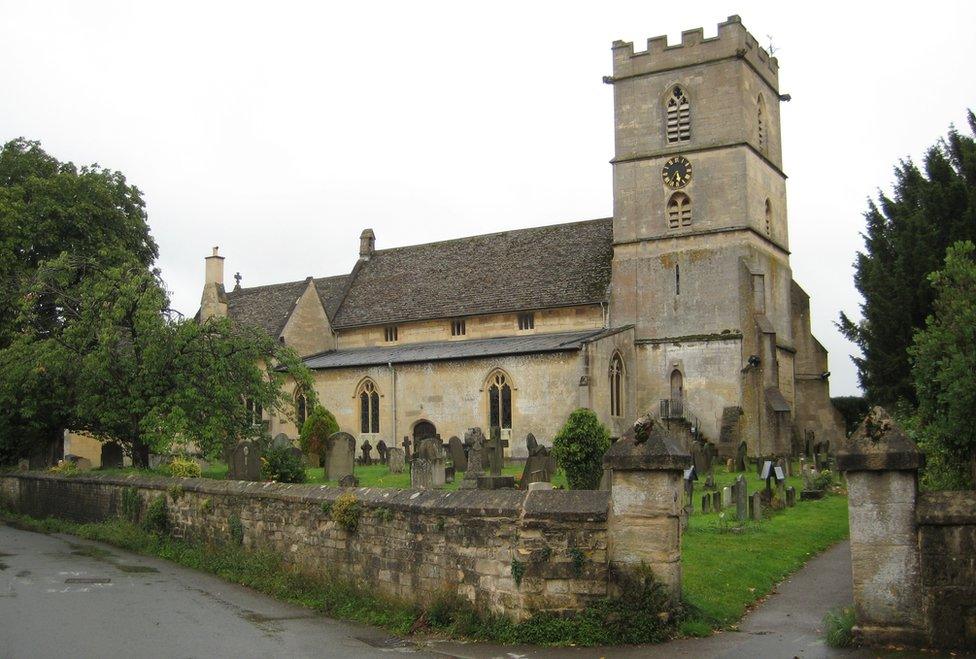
{"type": "Point", "coordinates": [790, 496]}
{"type": "Point", "coordinates": [689, 479]}
{"type": "Point", "coordinates": [245, 462]}
{"type": "Point", "coordinates": [348, 481]}
{"type": "Point", "coordinates": [297, 454]}
{"type": "Point", "coordinates": [340, 455]}
{"type": "Point", "coordinates": [706, 503]}
{"type": "Point", "coordinates": [395, 460]}
{"type": "Point", "coordinates": [281, 440]}
{"type": "Point", "coordinates": [709, 482]}
{"type": "Point", "coordinates": [458, 457]}
{"type": "Point", "coordinates": [474, 439]}
{"type": "Point", "coordinates": [421, 474]}
{"type": "Point", "coordinates": [367, 452]}
{"type": "Point", "coordinates": [726, 497]}
{"type": "Point", "coordinates": [741, 500]}
{"type": "Point", "coordinates": [83, 464]}
{"type": "Point", "coordinates": [495, 449]}
{"type": "Point", "coordinates": [756, 506]}
{"type": "Point", "coordinates": [717, 501]}
{"type": "Point", "coordinates": [406, 449]}
{"type": "Point", "coordinates": [539, 467]}
{"type": "Point", "coordinates": [730, 465]}
{"type": "Point", "coordinates": [740, 457]}
{"type": "Point", "coordinates": [111, 456]}
{"type": "Point", "coordinates": [382, 451]}
{"type": "Point", "coordinates": [432, 452]}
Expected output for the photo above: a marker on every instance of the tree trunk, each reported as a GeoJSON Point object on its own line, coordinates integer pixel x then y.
{"type": "Point", "coordinates": [972, 467]}
{"type": "Point", "coordinates": [140, 454]}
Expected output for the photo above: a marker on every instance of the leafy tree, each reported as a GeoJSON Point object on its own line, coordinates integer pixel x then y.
{"type": "Point", "coordinates": [579, 447]}
{"type": "Point", "coordinates": [905, 239]}
{"type": "Point", "coordinates": [135, 373]}
{"type": "Point", "coordinates": [944, 363]}
{"type": "Point", "coordinates": [318, 427]}
{"type": "Point", "coordinates": [853, 409]}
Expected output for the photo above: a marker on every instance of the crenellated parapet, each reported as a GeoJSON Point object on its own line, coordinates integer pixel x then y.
{"type": "Point", "coordinates": [732, 41]}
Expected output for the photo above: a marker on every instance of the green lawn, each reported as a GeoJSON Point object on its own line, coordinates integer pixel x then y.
{"type": "Point", "coordinates": [725, 571]}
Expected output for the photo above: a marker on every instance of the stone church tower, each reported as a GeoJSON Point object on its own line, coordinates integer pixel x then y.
{"type": "Point", "coordinates": [700, 246]}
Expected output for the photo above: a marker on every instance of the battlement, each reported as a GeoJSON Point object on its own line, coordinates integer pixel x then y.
{"type": "Point", "coordinates": [733, 40]}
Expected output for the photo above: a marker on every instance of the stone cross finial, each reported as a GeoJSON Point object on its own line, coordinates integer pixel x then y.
{"type": "Point", "coordinates": [237, 278]}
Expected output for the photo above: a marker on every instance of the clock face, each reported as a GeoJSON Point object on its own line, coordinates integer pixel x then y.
{"type": "Point", "coordinates": [676, 172]}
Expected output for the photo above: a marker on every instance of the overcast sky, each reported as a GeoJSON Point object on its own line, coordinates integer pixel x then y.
{"type": "Point", "coordinates": [279, 130]}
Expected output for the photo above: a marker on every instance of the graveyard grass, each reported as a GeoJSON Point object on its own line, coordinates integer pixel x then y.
{"type": "Point", "coordinates": [725, 572]}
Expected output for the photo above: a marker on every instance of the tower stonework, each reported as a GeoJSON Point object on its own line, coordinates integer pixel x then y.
{"type": "Point", "coordinates": [701, 251]}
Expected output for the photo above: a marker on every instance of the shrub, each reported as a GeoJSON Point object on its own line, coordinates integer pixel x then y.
{"type": "Point", "coordinates": [129, 504]}
{"type": "Point", "coordinates": [318, 427]}
{"type": "Point", "coordinates": [156, 520]}
{"type": "Point", "coordinates": [823, 480]}
{"type": "Point", "coordinates": [346, 510]}
{"type": "Point", "coordinates": [838, 624]}
{"type": "Point", "coordinates": [280, 464]}
{"type": "Point", "coordinates": [236, 529]}
{"type": "Point", "coordinates": [579, 447]}
{"type": "Point", "coordinates": [205, 506]}
{"type": "Point", "coordinates": [64, 468]}
{"type": "Point", "coordinates": [518, 571]}
{"type": "Point", "coordinates": [182, 467]}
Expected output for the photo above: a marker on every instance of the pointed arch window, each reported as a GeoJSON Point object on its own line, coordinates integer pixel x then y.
{"type": "Point", "coordinates": [679, 210]}
{"type": "Point", "coordinates": [678, 115]}
{"type": "Point", "coordinates": [301, 408]}
{"type": "Point", "coordinates": [369, 408]}
{"type": "Point", "coordinates": [499, 401]}
{"type": "Point", "coordinates": [769, 218]}
{"type": "Point", "coordinates": [616, 385]}
{"type": "Point", "coordinates": [761, 121]}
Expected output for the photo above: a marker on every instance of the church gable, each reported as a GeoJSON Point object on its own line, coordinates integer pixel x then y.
{"type": "Point", "coordinates": [541, 267]}
{"type": "Point", "coordinates": [270, 307]}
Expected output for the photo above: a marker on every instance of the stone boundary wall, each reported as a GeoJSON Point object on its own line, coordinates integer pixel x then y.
{"type": "Point", "coordinates": [411, 544]}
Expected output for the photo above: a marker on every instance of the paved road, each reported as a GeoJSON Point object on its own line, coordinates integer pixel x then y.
{"type": "Point", "coordinates": [65, 597]}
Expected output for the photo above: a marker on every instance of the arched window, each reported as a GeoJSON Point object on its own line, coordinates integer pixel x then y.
{"type": "Point", "coordinates": [616, 385]}
{"type": "Point", "coordinates": [369, 407]}
{"type": "Point", "coordinates": [301, 408]}
{"type": "Point", "coordinates": [678, 115]}
{"type": "Point", "coordinates": [499, 401]}
{"type": "Point", "coordinates": [769, 218]}
{"type": "Point", "coordinates": [679, 210]}
{"type": "Point", "coordinates": [761, 122]}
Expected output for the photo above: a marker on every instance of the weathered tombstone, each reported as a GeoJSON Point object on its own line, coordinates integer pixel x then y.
{"type": "Point", "coordinates": [709, 482]}
{"type": "Point", "coordinates": [706, 503]}
{"type": "Point", "coordinates": [421, 474]}
{"type": "Point", "coordinates": [730, 465]}
{"type": "Point", "coordinates": [382, 451]}
{"type": "Point", "coordinates": [111, 456]}
{"type": "Point", "coordinates": [281, 440]}
{"type": "Point", "coordinates": [756, 506]}
{"type": "Point", "coordinates": [716, 501]}
{"type": "Point", "coordinates": [430, 449]}
{"type": "Point", "coordinates": [348, 481]}
{"type": "Point", "coordinates": [741, 500]}
{"type": "Point", "coordinates": [540, 466]}
{"type": "Point", "coordinates": [690, 476]}
{"type": "Point", "coordinates": [395, 460]}
{"type": "Point", "coordinates": [340, 455]}
{"type": "Point", "coordinates": [495, 449]}
{"type": "Point", "coordinates": [790, 496]}
{"type": "Point", "coordinates": [726, 497]}
{"type": "Point", "coordinates": [449, 474]}
{"type": "Point", "coordinates": [740, 457]}
{"type": "Point", "coordinates": [474, 439]}
{"type": "Point", "coordinates": [458, 458]}
{"type": "Point", "coordinates": [531, 443]}
{"type": "Point", "coordinates": [245, 462]}
{"type": "Point", "coordinates": [406, 449]}
{"type": "Point", "coordinates": [367, 452]}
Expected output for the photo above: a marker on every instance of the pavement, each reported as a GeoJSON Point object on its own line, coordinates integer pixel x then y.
{"type": "Point", "coordinates": [62, 596]}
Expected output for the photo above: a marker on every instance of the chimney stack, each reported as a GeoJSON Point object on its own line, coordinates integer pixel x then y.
{"type": "Point", "coordinates": [213, 302]}
{"type": "Point", "coordinates": [215, 268]}
{"type": "Point", "coordinates": [367, 243]}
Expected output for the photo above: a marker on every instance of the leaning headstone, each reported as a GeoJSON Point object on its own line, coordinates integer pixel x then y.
{"type": "Point", "coordinates": [706, 503]}
{"type": "Point", "coordinates": [421, 474]}
{"type": "Point", "coordinates": [340, 455]}
{"type": "Point", "coordinates": [741, 500]}
{"type": "Point", "coordinates": [406, 449]}
{"type": "Point", "coordinates": [111, 456]}
{"type": "Point", "coordinates": [348, 481]}
{"type": "Point", "coordinates": [458, 458]}
{"type": "Point", "coordinates": [756, 506]}
{"type": "Point", "coordinates": [382, 451]}
{"type": "Point", "coordinates": [726, 497]}
{"type": "Point", "coordinates": [540, 466]}
{"type": "Point", "coordinates": [395, 460]}
{"type": "Point", "coordinates": [367, 452]}
{"type": "Point", "coordinates": [474, 439]}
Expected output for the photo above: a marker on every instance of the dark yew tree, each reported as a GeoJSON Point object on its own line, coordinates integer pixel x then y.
{"type": "Point", "coordinates": [905, 240]}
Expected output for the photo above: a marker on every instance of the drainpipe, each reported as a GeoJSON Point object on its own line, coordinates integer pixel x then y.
{"type": "Point", "coordinates": [393, 389]}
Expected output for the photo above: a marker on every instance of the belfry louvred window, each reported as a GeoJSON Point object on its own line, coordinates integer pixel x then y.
{"type": "Point", "coordinates": [679, 210]}
{"type": "Point", "coordinates": [678, 116]}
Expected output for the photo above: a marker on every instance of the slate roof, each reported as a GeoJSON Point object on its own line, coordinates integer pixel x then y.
{"type": "Point", "coordinates": [551, 266]}
{"type": "Point", "coordinates": [269, 307]}
{"type": "Point", "coordinates": [440, 350]}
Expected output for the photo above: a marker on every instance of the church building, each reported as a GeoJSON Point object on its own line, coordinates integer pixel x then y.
{"type": "Point", "coordinates": [682, 304]}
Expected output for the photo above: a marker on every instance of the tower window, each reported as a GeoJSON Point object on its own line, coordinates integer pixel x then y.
{"type": "Point", "coordinates": [769, 218]}
{"type": "Point", "coordinates": [677, 279]}
{"type": "Point", "coordinates": [616, 385]}
{"type": "Point", "coordinates": [390, 333]}
{"type": "Point", "coordinates": [761, 123]}
{"type": "Point", "coordinates": [678, 116]}
{"type": "Point", "coordinates": [679, 210]}
{"type": "Point", "coordinates": [369, 408]}
{"type": "Point", "coordinates": [458, 327]}
{"type": "Point", "coordinates": [526, 321]}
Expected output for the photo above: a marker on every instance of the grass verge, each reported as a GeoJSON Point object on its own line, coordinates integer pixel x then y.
{"type": "Point", "coordinates": [643, 614]}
